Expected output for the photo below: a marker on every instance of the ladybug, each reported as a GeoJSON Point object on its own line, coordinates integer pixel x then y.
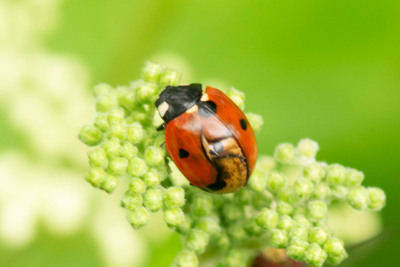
{"type": "Point", "coordinates": [208, 137]}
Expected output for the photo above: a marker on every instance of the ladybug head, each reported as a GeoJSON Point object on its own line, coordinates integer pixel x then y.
{"type": "Point", "coordinates": [175, 100]}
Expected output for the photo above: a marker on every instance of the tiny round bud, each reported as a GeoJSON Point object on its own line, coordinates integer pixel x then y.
{"type": "Point", "coordinates": [209, 225]}
{"type": "Point", "coordinates": [236, 258]}
{"type": "Point", "coordinates": [96, 176]}
{"type": "Point", "coordinates": [275, 181]}
{"type": "Point", "coordinates": [334, 247]}
{"type": "Point", "coordinates": [321, 191]}
{"type": "Point", "coordinates": [118, 165]}
{"type": "Point", "coordinates": [308, 148]}
{"type": "Point", "coordinates": [288, 194]}
{"type": "Point", "coordinates": [109, 184]}
{"type": "Point", "coordinates": [137, 186]}
{"type": "Point", "coordinates": [278, 238]}
{"type": "Point", "coordinates": [285, 153]}
{"type": "Point", "coordinates": [129, 150]}
{"type": "Point", "coordinates": [186, 258]}
{"type": "Point", "coordinates": [170, 77]}
{"type": "Point", "coordinates": [153, 199]}
{"type": "Point", "coordinates": [302, 220]}
{"type": "Point", "coordinates": [284, 208]}
{"type": "Point", "coordinates": [197, 240]}
{"type": "Point", "coordinates": [151, 72]}
{"type": "Point", "coordinates": [237, 231]}
{"type": "Point", "coordinates": [253, 229]}
{"type": "Point", "coordinates": [101, 122]}
{"type": "Point", "coordinates": [256, 121]}
{"type": "Point", "coordinates": [319, 235]}
{"type": "Point", "coordinates": [132, 201]}
{"type": "Point", "coordinates": [243, 197]}
{"type": "Point", "coordinates": [315, 255]}
{"type": "Point", "coordinates": [267, 219]}
{"type": "Point", "coordinates": [152, 178]}
{"type": "Point", "coordinates": [135, 133]}
{"type": "Point", "coordinates": [116, 115]}
{"type": "Point", "coordinates": [358, 198]}
{"type": "Point", "coordinates": [105, 102]}
{"type": "Point", "coordinates": [174, 217]}
{"type": "Point", "coordinates": [353, 177]}
{"type": "Point", "coordinates": [266, 163]}
{"type": "Point", "coordinates": [336, 174]}
{"type": "Point", "coordinates": [303, 187]}
{"type": "Point", "coordinates": [112, 147]}
{"type": "Point", "coordinates": [174, 197]}
{"type": "Point", "coordinates": [314, 172]}
{"type": "Point", "coordinates": [339, 191]}
{"type": "Point", "coordinates": [137, 167]}
{"type": "Point", "coordinates": [139, 217]}
{"type": "Point", "coordinates": [232, 212]}
{"type": "Point", "coordinates": [285, 223]}
{"type": "Point", "coordinates": [298, 231]}
{"type": "Point", "coordinates": [98, 158]}
{"type": "Point", "coordinates": [377, 198]}
{"type": "Point", "coordinates": [102, 89]}
{"type": "Point", "coordinates": [154, 155]}
{"type": "Point", "coordinates": [317, 210]}
{"type": "Point", "coordinates": [201, 206]}
{"type": "Point", "coordinates": [146, 92]}
{"type": "Point", "coordinates": [296, 249]}
{"type": "Point", "coordinates": [258, 181]}
{"type": "Point", "coordinates": [90, 135]}
{"type": "Point", "coordinates": [118, 131]}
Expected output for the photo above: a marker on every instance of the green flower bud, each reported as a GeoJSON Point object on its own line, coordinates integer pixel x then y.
{"type": "Point", "coordinates": [109, 184]}
{"type": "Point", "coordinates": [298, 231]}
{"type": "Point", "coordinates": [186, 258]}
{"type": "Point", "coordinates": [139, 217]}
{"type": "Point", "coordinates": [308, 148]}
{"type": "Point", "coordinates": [96, 176]}
{"type": "Point", "coordinates": [90, 135]}
{"type": "Point", "coordinates": [146, 92]}
{"type": "Point", "coordinates": [135, 133]}
{"type": "Point", "coordinates": [101, 122]}
{"type": "Point", "coordinates": [139, 117]}
{"type": "Point", "coordinates": [285, 223]}
{"type": "Point", "coordinates": [253, 229]}
{"type": "Point", "coordinates": [275, 181]}
{"type": "Point", "coordinates": [303, 187]}
{"type": "Point", "coordinates": [98, 158]}
{"type": "Point", "coordinates": [266, 163]}
{"type": "Point", "coordinates": [118, 165]}
{"type": "Point", "coordinates": [314, 172]}
{"type": "Point", "coordinates": [236, 258]}
{"type": "Point", "coordinates": [319, 235]}
{"type": "Point", "coordinates": [237, 97]}
{"type": "Point", "coordinates": [152, 178]}
{"type": "Point", "coordinates": [335, 260]}
{"type": "Point", "coordinates": [118, 131]}
{"type": "Point", "coordinates": [102, 89]}
{"type": "Point", "coordinates": [105, 103]}
{"type": "Point", "coordinates": [278, 238]}
{"type": "Point", "coordinates": [339, 191]}
{"type": "Point", "coordinates": [201, 206]}
{"type": "Point", "coordinates": [296, 249]}
{"type": "Point", "coordinates": [377, 198]}
{"type": "Point", "coordinates": [153, 199]}
{"type": "Point", "coordinates": [174, 217]}
{"type": "Point", "coordinates": [128, 150]}
{"type": "Point", "coordinates": [353, 177]}
{"type": "Point", "coordinates": [170, 77]}
{"type": "Point", "coordinates": [321, 191]}
{"type": "Point", "coordinates": [132, 201]}
{"type": "Point", "coordinates": [185, 227]}
{"type": "Point", "coordinates": [258, 181]}
{"type": "Point", "coordinates": [232, 212]}
{"type": "Point", "coordinates": [154, 155]}
{"type": "Point", "coordinates": [256, 121]}
{"type": "Point", "coordinates": [289, 195]}
{"type": "Point", "coordinates": [151, 72]}
{"type": "Point", "coordinates": [285, 153]}
{"type": "Point", "coordinates": [137, 186]}
{"type": "Point", "coordinates": [112, 147]}
{"type": "Point", "coordinates": [137, 167]}
{"type": "Point", "coordinates": [237, 232]}
{"type": "Point", "coordinates": [302, 220]}
{"type": "Point", "coordinates": [334, 247]}
{"type": "Point", "coordinates": [336, 174]}
{"type": "Point", "coordinates": [358, 198]}
{"type": "Point", "coordinates": [284, 208]}
{"type": "Point", "coordinates": [197, 240]}
{"type": "Point", "coordinates": [243, 197]}
{"type": "Point", "coordinates": [174, 197]}
{"type": "Point", "coordinates": [209, 225]}
{"type": "Point", "coordinates": [116, 115]}
{"type": "Point", "coordinates": [315, 255]}
{"type": "Point", "coordinates": [317, 210]}
{"type": "Point", "coordinates": [267, 219]}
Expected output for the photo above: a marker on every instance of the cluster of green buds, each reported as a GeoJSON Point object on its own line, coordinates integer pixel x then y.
{"type": "Point", "coordinates": [284, 205]}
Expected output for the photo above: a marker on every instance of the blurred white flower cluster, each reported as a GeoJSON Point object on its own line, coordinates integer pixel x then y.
{"type": "Point", "coordinates": [44, 98]}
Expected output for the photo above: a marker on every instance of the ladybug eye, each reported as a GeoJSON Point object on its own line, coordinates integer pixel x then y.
{"type": "Point", "coordinates": [243, 124]}
{"type": "Point", "coordinates": [183, 153]}
{"type": "Point", "coordinates": [163, 108]}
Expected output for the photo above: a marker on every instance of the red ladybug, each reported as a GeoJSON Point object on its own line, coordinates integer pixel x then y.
{"type": "Point", "coordinates": [208, 137]}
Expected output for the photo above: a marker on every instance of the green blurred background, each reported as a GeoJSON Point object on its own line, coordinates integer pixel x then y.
{"type": "Point", "coordinates": [327, 70]}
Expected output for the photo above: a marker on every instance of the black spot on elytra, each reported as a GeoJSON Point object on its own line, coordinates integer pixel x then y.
{"type": "Point", "coordinates": [183, 153]}
{"type": "Point", "coordinates": [243, 124]}
{"type": "Point", "coordinates": [207, 108]}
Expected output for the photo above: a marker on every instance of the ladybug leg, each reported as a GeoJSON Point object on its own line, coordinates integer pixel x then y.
{"type": "Point", "coordinates": [161, 127]}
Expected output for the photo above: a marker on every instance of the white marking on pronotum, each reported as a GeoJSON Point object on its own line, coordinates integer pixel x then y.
{"type": "Point", "coordinates": [204, 97]}
{"type": "Point", "coordinates": [163, 108]}
{"type": "Point", "coordinates": [192, 109]}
